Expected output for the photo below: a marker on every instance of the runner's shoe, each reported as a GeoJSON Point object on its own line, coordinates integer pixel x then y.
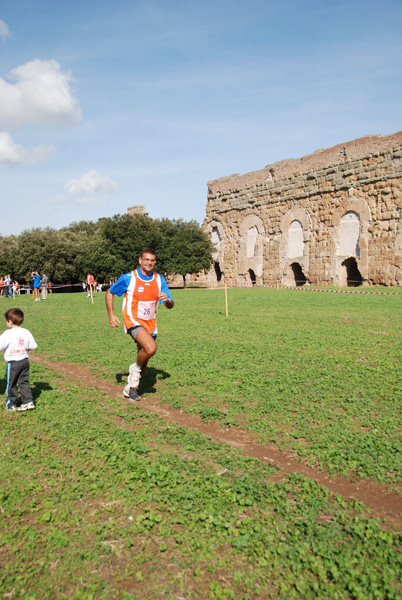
{"type": "Point", "coordinates": [134, 377]}
{"type": "Point", "coordinates": [26, 406]}
{"type": "Point", "coordinates": [131, 394]}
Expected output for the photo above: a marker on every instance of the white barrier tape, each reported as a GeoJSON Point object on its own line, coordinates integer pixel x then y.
{"type": "Point", "coordinates": [303, 289]}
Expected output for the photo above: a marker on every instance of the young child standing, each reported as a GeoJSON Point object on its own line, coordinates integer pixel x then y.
{"type": "Point", "coordinates": [16, 342]}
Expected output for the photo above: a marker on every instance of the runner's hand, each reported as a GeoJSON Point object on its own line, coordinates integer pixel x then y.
{"type": "Point", "coordinates": [114, 321]}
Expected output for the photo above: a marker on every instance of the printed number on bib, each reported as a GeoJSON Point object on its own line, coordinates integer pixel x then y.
{"type": "Point", "coordinates": [146, 310]}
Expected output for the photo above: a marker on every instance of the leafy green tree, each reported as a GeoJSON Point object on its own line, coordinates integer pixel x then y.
{"type": "Point", "coordinates": [167, 230]}
{"type": "Point", "coordinates": [106, 248]}
{"type": "Point", "coordinates": [93, 254]}
{"type": "Point", "coordinates": [189, 249]}
{"type": "Point", "coordinates": [125, 237]}
{"type": "Point", "coordinates": [8, 251]}
{"type": "Point", "coordinates": [48, 251]}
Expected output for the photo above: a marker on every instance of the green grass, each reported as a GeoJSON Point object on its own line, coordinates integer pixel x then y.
{"type": "Point", "coordinates": [315, 373]}
{"type": "Point", "coordinates": [100, 500]}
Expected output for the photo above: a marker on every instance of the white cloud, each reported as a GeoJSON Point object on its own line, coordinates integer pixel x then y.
{"type": "Point", "coordinates": [4, 30]}
{"type": "Point", "coordinates": [90, 183]}
{"type": "Point", "coordinates": [40, 95]}
{"type": "Point", "coordinates": [91, 188]}
{"type": "Point", "coordinates": [13, 153]}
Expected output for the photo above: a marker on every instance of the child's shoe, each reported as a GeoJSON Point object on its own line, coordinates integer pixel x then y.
{"type": "Point", "coordinates": [26, 406]}
{"type": "Point", "coordinates": [12, 407]}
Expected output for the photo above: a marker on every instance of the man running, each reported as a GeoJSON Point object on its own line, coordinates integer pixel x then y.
{"type": "Point", "coordinates": [142, 289]}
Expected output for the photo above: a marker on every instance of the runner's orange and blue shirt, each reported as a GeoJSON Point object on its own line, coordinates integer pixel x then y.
{"type": "Point", "coordinates": [140, 301]}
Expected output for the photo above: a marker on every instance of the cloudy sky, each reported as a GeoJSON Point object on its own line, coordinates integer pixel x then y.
{"type": "Point", "coordinates": [104, 105]}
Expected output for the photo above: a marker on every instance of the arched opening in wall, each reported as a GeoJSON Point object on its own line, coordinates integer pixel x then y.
{"type": "Point", "coordinates": [218, 272]}
{"type": "Point", "coordinates": [252, 276]}
{"type": "Point", "coordinates": [300, 278]}
{"type": "Point", "coordinates": [251, 241]}
{"type": "Point", "coordinates": [295, 240]}
{"type": "Point", "coordinates": [216, 239]}
{"type": "Point", "coordinates": [349, 235]}
{"type": "Point", "coordinates": [353, 275]}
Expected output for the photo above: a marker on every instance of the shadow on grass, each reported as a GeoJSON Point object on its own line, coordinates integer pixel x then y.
{"type": "Point", "coordinates": [149, 379]}
{"type": "Point", "coordinates": [36, 388]}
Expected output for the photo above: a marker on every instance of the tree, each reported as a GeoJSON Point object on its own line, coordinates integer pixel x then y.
{"type": "Point", "coordinates": [107, 248]}
{"type": "Point", "coordinates": [125, 237]}
{"type": "Point", "coordinates": [8, 251]}
{"type": "Point", "coordinates": [48, 251]}
{"type": "Point", "coordinates": [189, 249]}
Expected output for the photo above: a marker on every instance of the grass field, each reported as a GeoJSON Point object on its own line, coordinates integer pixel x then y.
{"type": "Point", "coordinates": [102, 500]}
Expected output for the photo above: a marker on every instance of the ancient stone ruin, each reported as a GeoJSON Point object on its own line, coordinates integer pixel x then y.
{"type": "Point", "coordinates": [137, 210]}
{"type": "Point", "coordinates": [330, 218]}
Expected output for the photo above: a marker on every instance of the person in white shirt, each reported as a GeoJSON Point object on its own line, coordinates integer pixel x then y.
{"type": "Point", "coordinates": [16, 342]}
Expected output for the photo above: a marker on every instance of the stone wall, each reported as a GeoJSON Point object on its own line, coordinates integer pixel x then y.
{"type": "Point", "coordinates": [332, 217]}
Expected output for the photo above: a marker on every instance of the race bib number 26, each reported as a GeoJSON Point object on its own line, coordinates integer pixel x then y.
{"type": "Point", "coordinates": [146, 310]}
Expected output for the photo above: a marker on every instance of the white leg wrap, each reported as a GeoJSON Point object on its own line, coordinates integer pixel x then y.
{"type": "Point", "coordinates": [134, 376]}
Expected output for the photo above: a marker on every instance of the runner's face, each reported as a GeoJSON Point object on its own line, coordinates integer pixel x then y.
{"type": "Point", "coordinates": [147, 263]}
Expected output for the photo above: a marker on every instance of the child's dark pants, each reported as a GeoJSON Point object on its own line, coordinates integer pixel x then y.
{"type": "Point", "coordinates": [18, 374]}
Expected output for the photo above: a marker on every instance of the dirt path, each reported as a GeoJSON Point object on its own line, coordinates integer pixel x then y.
{"type": "Point", "coordinates": [382, 502]}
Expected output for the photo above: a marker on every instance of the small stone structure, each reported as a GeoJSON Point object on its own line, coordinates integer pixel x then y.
{"type": "Point", "coordinates": [330, 218]}
{"type": "Point", "coordinates": [137, 210]}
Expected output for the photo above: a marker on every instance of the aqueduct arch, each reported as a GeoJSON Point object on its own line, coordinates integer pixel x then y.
{"type": "Point", "coordinates": [251, 248]}
{"type": "Point", "coordinates": [218, 237]}
{"type": "Point", "coordinates": [295, 246]}
{"type": "Point", "coordinates": [350, 241]}
{"type": "Point", "coordinates": [303, 212]}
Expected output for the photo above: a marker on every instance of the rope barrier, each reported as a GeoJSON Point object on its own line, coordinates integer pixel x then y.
{"type": "Point", "coordinates": [307, 289]}
{"type": "Point", "coordinates": [57, 286]}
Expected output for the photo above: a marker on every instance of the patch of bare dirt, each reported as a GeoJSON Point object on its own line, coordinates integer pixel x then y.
{"type": "Point", "coordinates": [382, 502]}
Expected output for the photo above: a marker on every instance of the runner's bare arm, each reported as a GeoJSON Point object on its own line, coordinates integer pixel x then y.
{"type": "Point", "coordinates": [113, 320]}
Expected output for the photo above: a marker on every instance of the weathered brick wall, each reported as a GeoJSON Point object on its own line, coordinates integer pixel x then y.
{"type": "Point", "coordinates": [361, 179]}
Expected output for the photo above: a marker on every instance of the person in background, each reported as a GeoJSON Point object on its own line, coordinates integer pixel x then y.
{"type": "Point", "coordinates": [90, 284]}
{"type": "Point", "coordinates": [7, 285]}
{"type": "Point", "coordinates": [36, 285]}
{"type": "Point", "coordinates": [44, 282]}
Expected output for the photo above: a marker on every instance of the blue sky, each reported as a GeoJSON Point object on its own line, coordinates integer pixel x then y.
{"type": "Point", "coordinates": [111, 104]}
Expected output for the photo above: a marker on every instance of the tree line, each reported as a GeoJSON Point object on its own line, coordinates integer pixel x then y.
{"type": "Point", "coordinates": [106, 248]}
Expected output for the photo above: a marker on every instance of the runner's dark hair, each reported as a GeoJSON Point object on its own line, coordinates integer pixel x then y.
{"type": "Point", "coordinates": [148, 251]}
